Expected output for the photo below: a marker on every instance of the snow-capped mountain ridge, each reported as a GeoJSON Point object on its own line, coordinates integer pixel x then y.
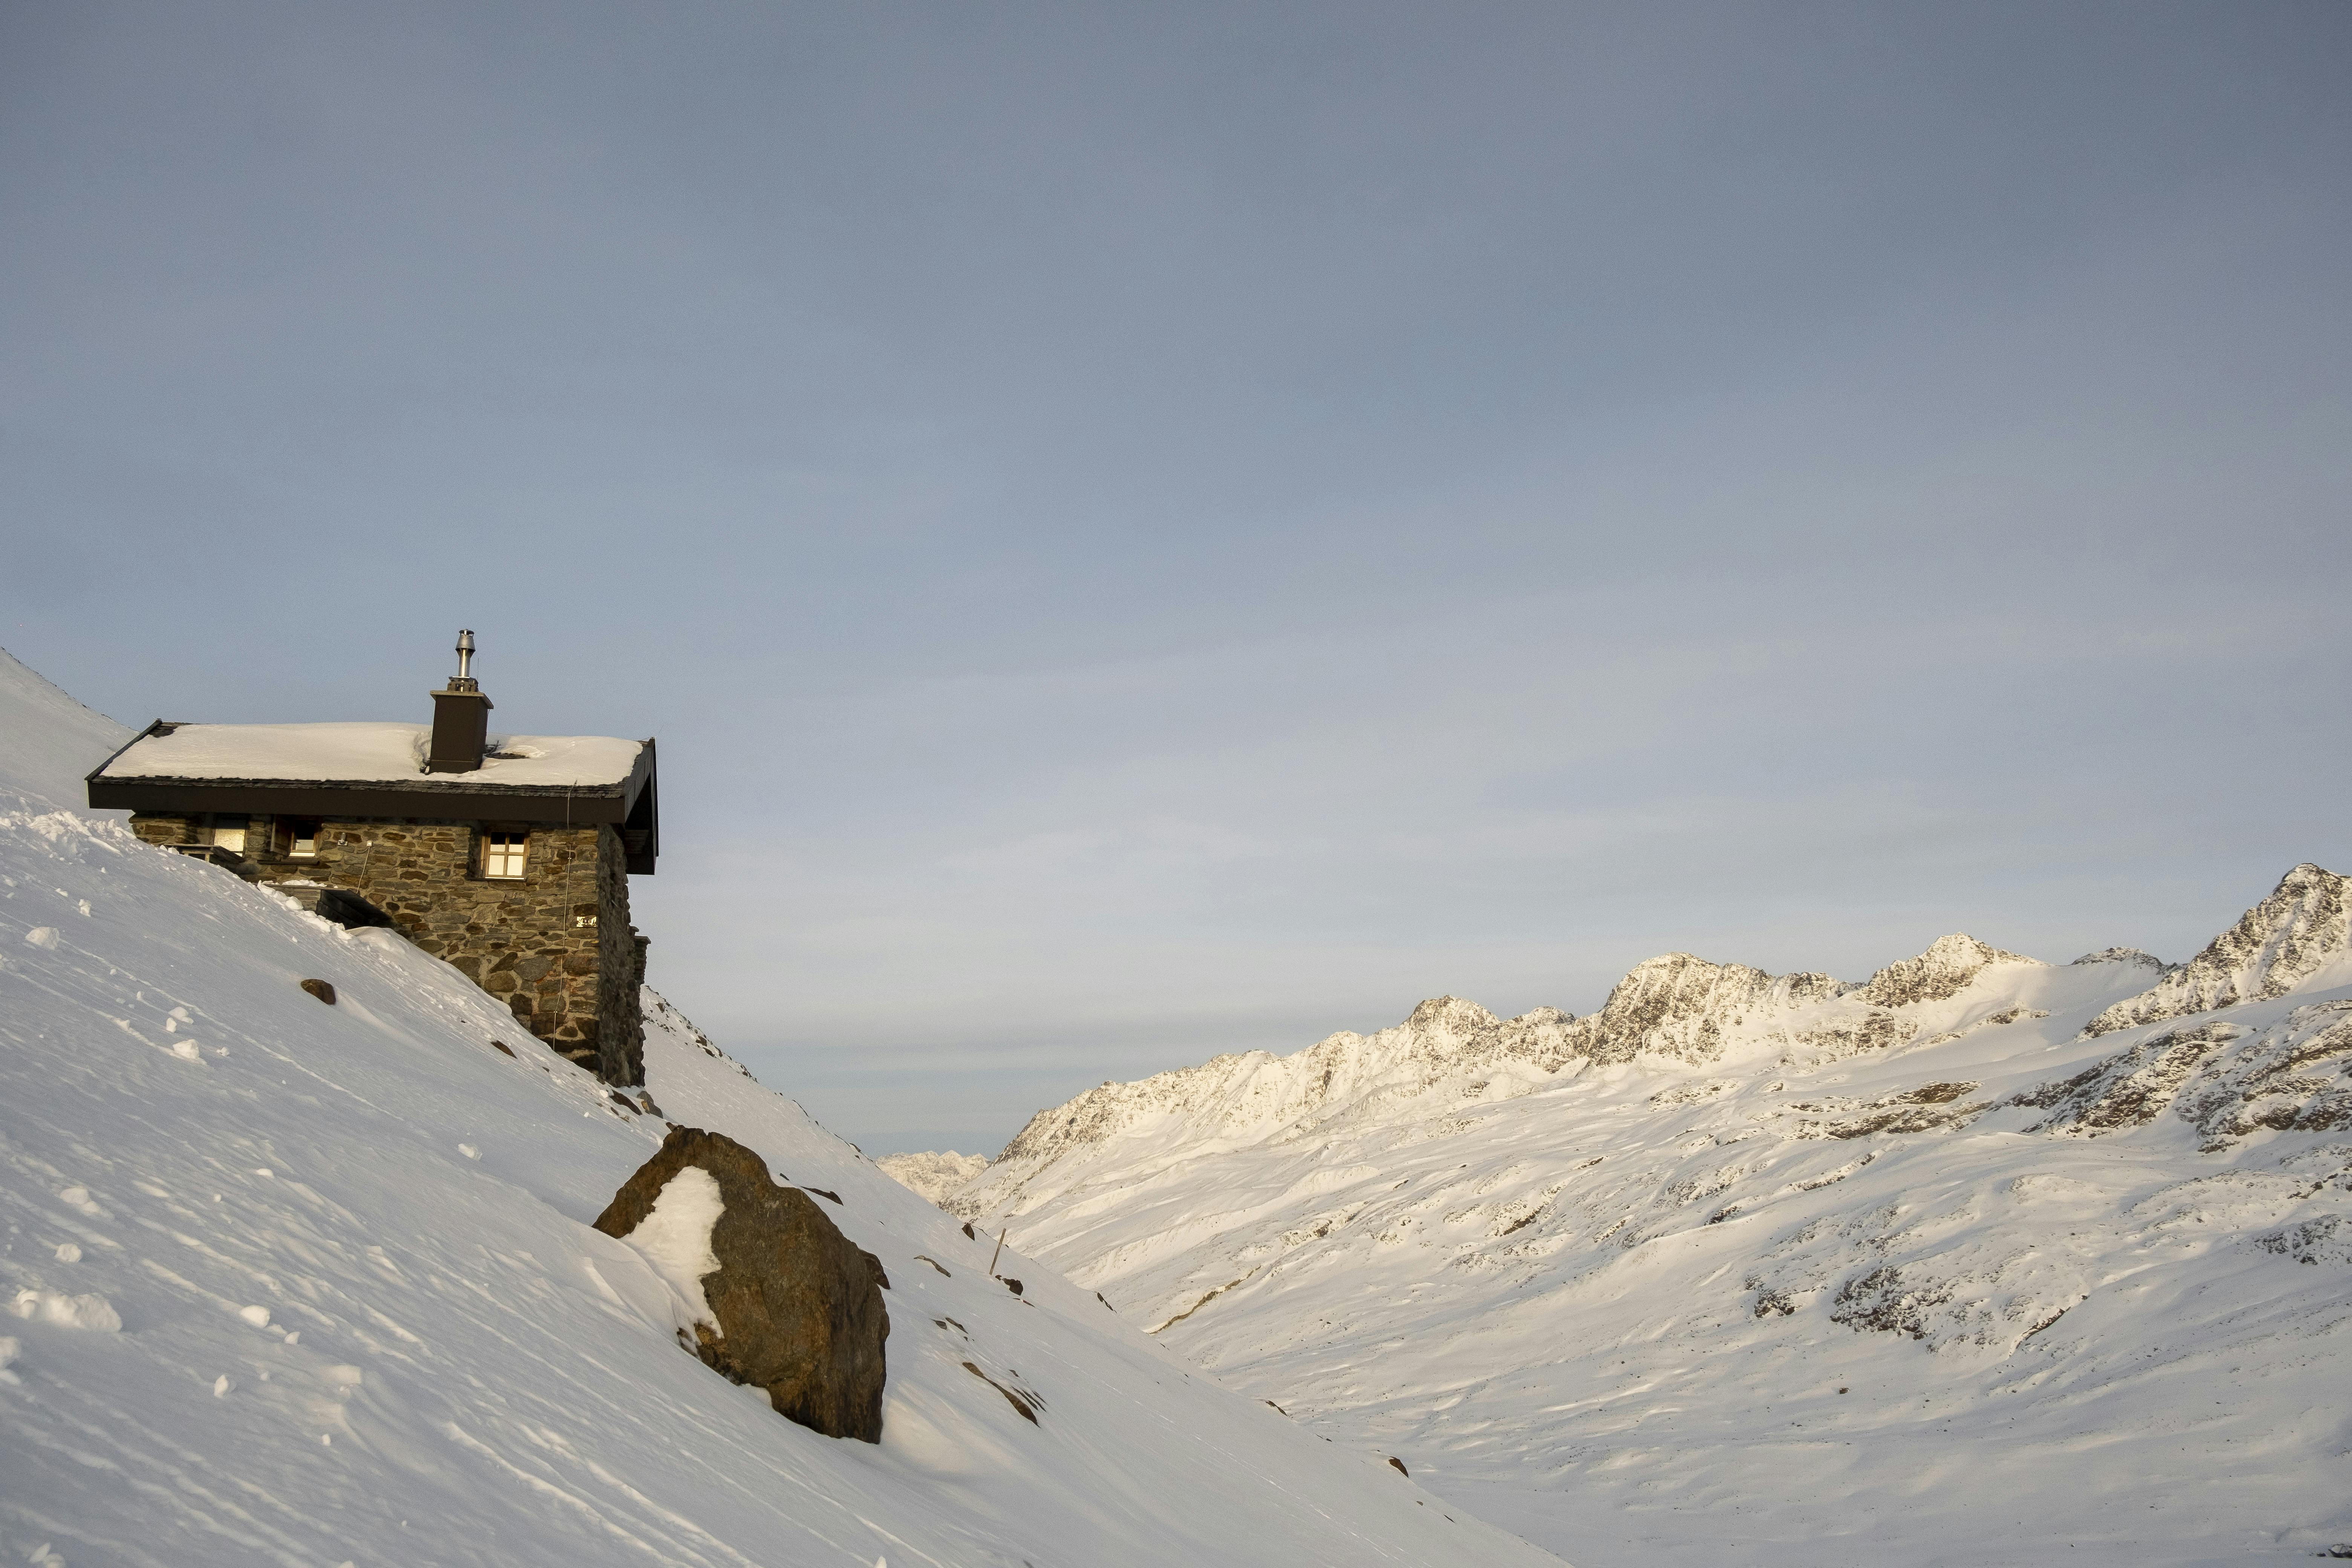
{"type": "Point", "coordinates": [2303, 931]}
{"type": "Point", "coordinates": [1675, 1009]}
{"type": "Point", "coordinates": [1721, 1270]}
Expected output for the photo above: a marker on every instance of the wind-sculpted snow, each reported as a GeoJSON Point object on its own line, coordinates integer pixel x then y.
{"type": "Point", "coordinates": [2277, 946]}
{"type": "Point", "coordinates": [1911, 1270]}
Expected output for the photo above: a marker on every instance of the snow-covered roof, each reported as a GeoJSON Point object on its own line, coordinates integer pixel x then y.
{"type": "Point", "coordinates": [384, 753]}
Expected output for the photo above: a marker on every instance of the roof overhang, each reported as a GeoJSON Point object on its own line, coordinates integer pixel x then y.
{"type": "Point", "coordinates": [630, 804]}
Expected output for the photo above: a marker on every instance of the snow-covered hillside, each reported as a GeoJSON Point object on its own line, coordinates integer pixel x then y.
{"type": "Point", "coordinates": [51, 739]}
{"type": "Point", "coordinates": [934, 1174]}
{"type": "Point", "coordinates": [306, 1284]}
{"type": "Point", "coordinates": [1766, 1269]}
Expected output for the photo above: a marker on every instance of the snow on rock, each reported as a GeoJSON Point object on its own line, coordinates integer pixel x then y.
{"type": "Point", "coordinates": [2278, 945]}
{"type": "Point", "coordinates": [789, 1304]}
{"type": "Point", "coordinates": [933, 1173]}
{"type": "Point", "coordinates": [455, 1367]}
{"type": "Point", "coordinates": [1673, 1009]}
{"type": "Point", "coordinates": [1950, 966]}
{"type": "Point", "coordinates": [1911, 1270]}
{"type": "Point", "coordinates": [675, 1237]}
{"type": "Point", "coordinates": [2125, 955]}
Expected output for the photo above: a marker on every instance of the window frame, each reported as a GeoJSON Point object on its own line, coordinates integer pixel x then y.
{"type": "Point", "coordinates": [513, 852]}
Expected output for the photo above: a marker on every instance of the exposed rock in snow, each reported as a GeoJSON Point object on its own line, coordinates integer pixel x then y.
{"type": "Point", "coordinates": [797, 1306]}
{"type": "Point", "coordinates": [2275, 947]}
{"type": "Point", "coordinates": [1949, 965]}
{"type": "Point", "coordinates": [2124, 955]}
{"type": "Point", "coordinates": [1674, 1008]}
{"type": "Point", "coordinates": [2293, 1076]}
{"type": "Point", "coordinates": [933, 1173]}
{"type": "Point", "coordinates": [1678, 1006]}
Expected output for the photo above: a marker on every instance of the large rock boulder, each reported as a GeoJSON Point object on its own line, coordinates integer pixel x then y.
{"type": "Point", "coordinates": [793, 1306]}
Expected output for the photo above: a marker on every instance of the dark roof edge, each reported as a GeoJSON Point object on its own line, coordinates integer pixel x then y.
{"type": "Point", "coordinates": [303, 800]}
{"type": "Point", "coordinates": [92, 777]}
{"type": "Point", "coordinates": [424, 785]}
{"type": "Point", "coordinates": [437, 797]}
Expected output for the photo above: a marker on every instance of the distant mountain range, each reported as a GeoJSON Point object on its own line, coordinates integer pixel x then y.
{"type": "Point", "coordinates": [1977, 1257]}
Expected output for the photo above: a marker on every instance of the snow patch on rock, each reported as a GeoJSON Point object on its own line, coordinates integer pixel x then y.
{"type": "Point", "coordinates": [676, 1237]}
{"type": "Point", "coordinates": [2298, 935]}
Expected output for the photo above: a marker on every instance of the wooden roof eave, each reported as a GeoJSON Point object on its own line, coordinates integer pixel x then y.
{"type": "Point", "coordinates": [440, 796]}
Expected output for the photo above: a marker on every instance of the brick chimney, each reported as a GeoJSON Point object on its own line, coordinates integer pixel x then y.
{"type": "Point", "coordinates": [461, 718]}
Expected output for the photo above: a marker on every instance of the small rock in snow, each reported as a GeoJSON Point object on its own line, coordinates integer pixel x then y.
{"type": "Point", "coordinates": [258, 1316]}
{"type": "Point", "coordinates": [42, 936]}
{"type": "Point", "coordinates": [221, 1385]}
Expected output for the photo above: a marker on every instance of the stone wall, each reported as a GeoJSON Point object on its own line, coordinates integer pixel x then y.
{"type": "Point", "coordinates": [555, 944]}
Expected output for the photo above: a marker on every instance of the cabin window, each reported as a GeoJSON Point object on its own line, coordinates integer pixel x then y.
{"type": "Point", "coordinates": [228, 833]}
{"type": "Point", "coordinates": [302, 840]}
{"type": "Point", "coordinates": [503, 853]}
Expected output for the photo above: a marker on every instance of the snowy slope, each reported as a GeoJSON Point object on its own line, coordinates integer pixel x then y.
{"type": "Point", "coordinates": [302, 1284]}
{"type": "Point", "coordinates": [1773, 1269]}
{"type": "Point", "coordinates": [51, 742]}
{"type": "Point", "coordinates": [934, 1174]}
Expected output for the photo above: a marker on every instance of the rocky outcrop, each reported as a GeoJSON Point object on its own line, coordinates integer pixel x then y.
{"type": "Point", "coordinates": [2224, 1079]}
{"type": "Point", "coordinates": [2130, 955]}
{"type": "Point", "coordinates": [790, 1304]}
{"type": "Point", "coordinates": [1678, 1005]}
{"type": "Point", "coordinates": [2274, 947]}
{"type": "Point", "coordinates": [1950, 966]}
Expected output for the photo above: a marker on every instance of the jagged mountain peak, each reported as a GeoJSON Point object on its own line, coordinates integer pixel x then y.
{"type": "Point", "coordinates": [1679, 1005]}
{"type": "Point", "coordinates": [1449, 1013]}
{"type": "Point", "coordinates": [2275, 947]}
{"type": "Point", "coordinates": [2124, 955]}
{"type": "Point", "coordinates": [1948, 966]}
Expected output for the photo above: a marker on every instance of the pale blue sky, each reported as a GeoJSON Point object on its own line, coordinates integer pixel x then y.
{"type": "Point", "coordinates": [1145, 531]}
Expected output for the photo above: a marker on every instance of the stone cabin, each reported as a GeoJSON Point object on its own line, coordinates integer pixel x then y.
{"type": "Point", "coordinates": [508, 856]}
